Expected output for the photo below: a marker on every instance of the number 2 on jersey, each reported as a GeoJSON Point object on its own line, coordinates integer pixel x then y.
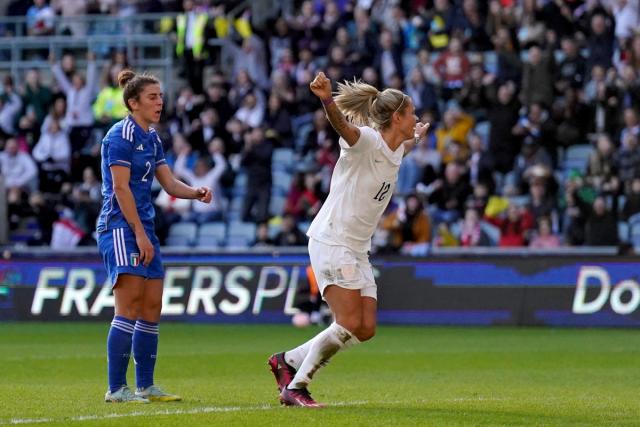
{"type": "Point", "coordinates": [382, 192]}
{"type": "Point", "coordinates": [144, 177]}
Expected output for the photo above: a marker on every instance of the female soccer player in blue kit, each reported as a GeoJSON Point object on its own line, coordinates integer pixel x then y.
{"type": "Point", "coordinates": [132, 156]}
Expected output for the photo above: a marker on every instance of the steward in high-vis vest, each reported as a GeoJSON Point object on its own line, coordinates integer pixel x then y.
{"type": "Point", "coordinates": [191, 42]}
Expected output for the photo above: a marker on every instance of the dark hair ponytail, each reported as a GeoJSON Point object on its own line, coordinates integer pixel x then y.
{"type": "Point", "coordinates": [133, 84]}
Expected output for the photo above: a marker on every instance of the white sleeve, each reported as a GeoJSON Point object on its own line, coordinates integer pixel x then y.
{"type": "Point", "coordinates": [42, 149]}
{"type": "Point", "coordinates": [366, 142]}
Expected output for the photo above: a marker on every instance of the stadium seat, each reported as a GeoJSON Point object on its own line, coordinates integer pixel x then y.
{"type": "Point", "coordinates": [240, 185]}
{"type": "Point", "coordinates": [634, 236]}
{"type": "Point", "coordinates": [182, 234]}
{"type": "Point", "coordinates": [301, 134]}
{"type": "Point", "coordinates": [634, 219]}
{"type": "Point", "coordinates": [483, 129]}
{"type": "Point", "coordinates": [274, 229]}
{"type": "Point", "coordinates": [492, 231]}
{"type": "Point", "coordinates": [576, 157]}
{"type": "Point", "coordinates": [276, 205]}
{"type": "Point", "coordinates": [304, 226]}
{"type": "Point", "coordinates": [283, 159]}
{"type": "Point", "coordinates": [211, 234]}
{"type": "Point", "coordinates": [241, 234]}
{"type": "Point", "coordinates": [235, 208]}
{"type": "Point", "coordinates": [281, 183]}
{"type": "Point", "coordinates": [623, 231]}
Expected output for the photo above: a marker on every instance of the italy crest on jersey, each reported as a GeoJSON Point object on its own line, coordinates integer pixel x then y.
{"type": "Point", "coordinates": [135, 259]}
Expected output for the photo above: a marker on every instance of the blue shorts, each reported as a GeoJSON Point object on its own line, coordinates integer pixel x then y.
{"type": "Point", "coordinates": [121, 255]}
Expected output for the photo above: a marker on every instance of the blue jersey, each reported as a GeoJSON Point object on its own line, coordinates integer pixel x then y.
{"type": "Point", "coordinates": [127, 144]}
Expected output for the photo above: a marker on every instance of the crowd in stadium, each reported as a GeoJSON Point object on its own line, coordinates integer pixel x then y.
{"type": "Point", "coordinates": [533, 106]}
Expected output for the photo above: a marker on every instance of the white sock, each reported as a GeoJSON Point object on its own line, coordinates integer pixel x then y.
{"type": "Point", "coordinates": [320, 349]}
{"type": "Point", "coordinates": [295, 356]}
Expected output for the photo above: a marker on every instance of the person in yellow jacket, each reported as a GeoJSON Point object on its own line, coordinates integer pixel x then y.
{"type": "Point", "coordinates": [109, 107]}
{"type": "Point", "coordinates": [451, 136]}
{"type": "Point", "coordinates": [191, 42]}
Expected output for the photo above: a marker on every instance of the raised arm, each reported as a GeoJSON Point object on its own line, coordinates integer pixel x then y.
{"type": "Point", "coordinates": [321, 87]}
{"type": "Point", "coordinates": [61, 78]}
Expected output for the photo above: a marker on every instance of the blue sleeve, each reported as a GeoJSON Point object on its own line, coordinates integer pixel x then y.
{"type": "Point", "coordinates": [160, 159]}
{"type": "Point", "coordinates": [119, 151]}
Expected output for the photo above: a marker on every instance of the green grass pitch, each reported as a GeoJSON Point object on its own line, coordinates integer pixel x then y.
{"type": "Point", "coordinates": [55, 374]}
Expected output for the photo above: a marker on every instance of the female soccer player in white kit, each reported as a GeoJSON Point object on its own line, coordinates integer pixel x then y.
{"type": "Point", "coordinates": [378, 130]}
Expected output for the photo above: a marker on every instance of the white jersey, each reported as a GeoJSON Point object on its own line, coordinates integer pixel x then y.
{"type": "Point", "coordinates": [361, 186]}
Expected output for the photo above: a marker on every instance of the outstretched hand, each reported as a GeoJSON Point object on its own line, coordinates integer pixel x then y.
{"type": "Point", "coordinates": [421, 130]}
{"type": "Point", "coordinates": [321, 86]}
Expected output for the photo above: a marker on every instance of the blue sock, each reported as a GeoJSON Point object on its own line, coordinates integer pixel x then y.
{"type": "Point", "coordinates": [145, 347]}
{"type": "Point", "coordinates": [118, 351]}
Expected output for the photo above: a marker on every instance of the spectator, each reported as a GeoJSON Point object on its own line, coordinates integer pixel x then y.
{"type": "Point", "coordinates": [632, 203]}
{"type": "Point", "coordinates": [173, 208]}
{"type": "Point", "coordinates": [36, 96]}
{"type": "Point", "coordinates": [600, 43]}
{"type": "Point", "coordinates": [471, 233]}
{"type": "Point", "coordinates": [537, 78]}
{"type": "Point", "coordinates": [628, 160]}
{"type": "Point", "coordinates": [109, 107]}
{"type": "Point", "coordinates": [514, 226]}
{"type": "Point", "coordinates": [204, 175]}
{"type": "Point", "coordinates": [278, 122]}
{"type": "Point", "coordinates": [290, 234]}
{"type": "Point", "coordinates": [451, 136]}
{"type": "Point", "coordinates": [571, 70]}
{"type": "Point", "coordinates": [262, 236]}
{"type": "Point", "coordinates": [544, 237]}
{"type": "Point", "coordinates": [601, 166]}
{"type": "Point", "coordinates": [303, 202]}
{"type": "Point", "coordinates": [40, 19]}
{"type": "Point", "coordinates": [447, 194]}
{"type": "Point", "coordinates": [601, 228]}
{"type": "Point", "coordinates": [387, 61]}
{"type": "Point", "coordinates": [10, 105]}
{"type": "Point", "coordinates": [53, 154]}
{"type": "Point", "coordinates": [251, 113]}
{"type": "Point", "coordinates": [71, 9]}
{"type": "Point", "coordinates": [452, 67]}
{"type": "Point", "coordinates": [256, 160]}
{"type": "Point", "coordinates": [421, 92]}
{"type": "Point", "coordinates": [18, 168]}
{"type": "Point", "coordinates": [408, 225]}
{"type": "Point", "coordinates": [79, 93]}
{"type": "Point", "coordinates": [190, 42]}
{"type": "Point", "coordinates": [503, 116]}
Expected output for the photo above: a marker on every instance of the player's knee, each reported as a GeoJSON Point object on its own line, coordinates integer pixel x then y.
{"type": "Point", "coordinates": [366, 332]}
{"type": "Point", "coordinates": [351, 324]}
{"type": "Point", "coordinates": [151, 310]}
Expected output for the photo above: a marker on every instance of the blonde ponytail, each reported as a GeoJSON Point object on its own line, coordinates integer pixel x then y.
{"type": "Point", "coordinates": [364, 105]}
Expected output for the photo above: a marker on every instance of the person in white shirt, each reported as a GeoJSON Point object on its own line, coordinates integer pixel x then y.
{"type": "Point", "coordinates": [18, 168]}
{"type": "Point", "coordinates": [379, 129]}
{"type": "Point", "coordinates": [53, 149]}
{"type": "Point", "coordinates": [206, 175]}
{"type": "Point", "coordinates": [80, 93]}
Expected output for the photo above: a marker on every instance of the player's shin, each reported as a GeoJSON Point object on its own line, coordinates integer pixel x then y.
{"type": "Point", "coordinates": [118, 351]}
{"type": "Point", "coordinates": [145, 348]}
{"type": "Point", "coordinates": [322, 348]}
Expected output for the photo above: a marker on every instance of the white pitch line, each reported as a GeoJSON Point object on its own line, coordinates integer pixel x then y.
{"type": "Point", "coordinates": [222, 409]}
{"type": "Point", "coordinates": [203, 410]}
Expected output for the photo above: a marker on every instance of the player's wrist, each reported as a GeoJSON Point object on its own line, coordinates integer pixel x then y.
{"type": "Point", "coordinates": [327, 101]}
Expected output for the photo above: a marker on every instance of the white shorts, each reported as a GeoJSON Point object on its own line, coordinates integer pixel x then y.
{"type": "Point", "coordinates": [341, 266]}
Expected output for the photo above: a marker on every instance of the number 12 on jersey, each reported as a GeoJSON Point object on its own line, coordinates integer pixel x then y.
{"type": "Point", "coordinates": [382, 192]}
